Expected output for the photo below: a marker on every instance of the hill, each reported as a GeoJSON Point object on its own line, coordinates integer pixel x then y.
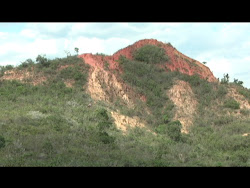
{"type": "Point", "coordinates": [146, 105]}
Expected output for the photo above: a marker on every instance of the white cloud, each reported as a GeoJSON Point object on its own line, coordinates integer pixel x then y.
{"type": "Point", "coordinates": [29, 33]}
{"type": "Point", "coordinates": [3, 35]}
{"type": "Point", "coordinates": [225, 46]}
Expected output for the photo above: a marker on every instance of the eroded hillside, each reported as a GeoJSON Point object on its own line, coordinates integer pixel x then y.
{"type": "Point", "coordinates": [140, 85]}
{"type": "Point", "coordinates": [128, 109]}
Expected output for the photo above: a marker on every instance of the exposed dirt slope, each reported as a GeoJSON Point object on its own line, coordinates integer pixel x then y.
{"type": "Point", "coordinates": [180, 62]}
{"type": "Point", "coordinates": [24, 76]}
{"type": "Point", "coordinates": [103, 85]}
{"type": "Point", "coordinates": [185, 103]}
{"type": "Point", "coordinates": [124, 122]}
{"type": "Point", "coordinates": [244, 103]}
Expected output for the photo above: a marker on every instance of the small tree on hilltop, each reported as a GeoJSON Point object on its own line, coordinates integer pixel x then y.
{"type": "Point", "coordinates": [42, 60]}
{"type": "Point", "coordinates": [238, 82]}
{"type": "Point", "coordinates": [76, 50]}
{"type": "Point", "coordinates": [225, 79]}
{"type": "Point", "coordinates": [67, 53]}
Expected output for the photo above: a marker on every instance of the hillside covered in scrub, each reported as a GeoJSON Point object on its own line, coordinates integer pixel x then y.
{"type": "Point", "coordinates": [146, 105]}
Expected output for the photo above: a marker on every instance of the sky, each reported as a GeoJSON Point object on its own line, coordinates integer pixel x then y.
{"type": "Point", "coordinates": [224, 46]}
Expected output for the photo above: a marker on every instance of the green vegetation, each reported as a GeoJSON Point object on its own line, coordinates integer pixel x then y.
{"type": "Point", "coordinates": [2, 142]}
{"type": "Point", "coordinates": [151, 54]}
{"type": "Point", "coordinates": [171, 129]}
{"type": "Point", "coordinates": [101, 54]}
{"type": "Point", "coordinates": [225, 79]}
{"type": "Point", "coordinates": [231, 103]}
{"type": "Point", "coordinates": [76, 50]}
{"type": "Point", "coordinates": [152, 82]}
{"type": "Point", "coordinates": [236, 81]}
{"type": "Point", "coordinates": [5, 68]}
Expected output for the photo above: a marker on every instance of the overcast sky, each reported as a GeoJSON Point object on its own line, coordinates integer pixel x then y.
{"type": "Point", "coordinates": [224, 46]}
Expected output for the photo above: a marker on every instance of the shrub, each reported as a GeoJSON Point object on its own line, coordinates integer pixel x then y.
{"type": "Point", "coordinates": [26, 64]}
{"type": "Point", "coordinates": [174, 130]}
{"type": "Point", "coordinates": [161, 129]}
{"type": "Point", "coordinates": [105, 138]}
{"type": "Point", "coordinates": [225, 79]}
{"type": "Point", "coordinates": [5, 68]}
{"type": "Point", "coordinates": [2, 142]}
{"type": "Point", "coordinates": [42, 60]}
{"type": "Point", "coordinates": [151, 54]}
{"type": "Point", "coordinates": [100, 54]}
{"type": "Point", "coordinates": [102, 114]}
{"type": "Point", "coordinates": [104, 122]}
{"type": "Point", "coordinates": [223, 120]}
{"type": "Point", "coordinates": [231, 103]}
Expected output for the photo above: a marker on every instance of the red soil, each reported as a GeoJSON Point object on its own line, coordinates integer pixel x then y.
{"type": "Point", "coordinates": [179, 62]}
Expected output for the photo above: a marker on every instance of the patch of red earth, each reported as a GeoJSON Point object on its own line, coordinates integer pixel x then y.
{"type": "Point", "coordinates": [99, 61]}
{"type": "Point", "coordinates": [64, 67]}
{"type": "Point", "coordinates": [143, 98]}
{"type": "Point", "coordinates": [179, 61]}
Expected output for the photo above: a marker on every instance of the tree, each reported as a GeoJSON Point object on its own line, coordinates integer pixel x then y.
{"type": "Point", "coordinates": [204, 62]}
{"type": "Point", "coordinates": [76, 50]}
{"type": "Point", "coordinates": [225, 79]}
{"type": "Point", "coordinates": [67, 53]}
{"type": "Point", "coordinates": [2, 142]}
{"type": "Point", "coordinates": [42, 60]}
{"type": "Point", "coordinates": [236, 81]}
{"type": "Point", "coordinates": [174, 130]}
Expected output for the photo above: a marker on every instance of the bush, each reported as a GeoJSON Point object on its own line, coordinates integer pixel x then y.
{"type": "Point", "coordinates": [42, 60]}
{"type": "Point", "coordinates": [161, 129]}
{"type": "Point", "coordinates": [104, 122]}
{"type": "Point", "coordinates": [151, 54]}
{"type": "Point", "coordinates": [231, 103]}
{"type": "Point", "coordinates": [225, 79]}
{"type": "Point", "coordinates": [5, 68]}
{"type": "Point", "coordinates": [174, 130]}
{"type": "Point", "coordinates": [2, 142]}
{"type": "Point", "coordinates": [105, 138]}
{"type": "Point", "coordinates": [26, 64]}
{"type": "Point", "coordinates": [238, 82]}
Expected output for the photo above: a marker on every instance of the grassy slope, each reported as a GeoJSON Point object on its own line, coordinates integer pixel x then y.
{"type": "Point", "coordinates": [51, 125]}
